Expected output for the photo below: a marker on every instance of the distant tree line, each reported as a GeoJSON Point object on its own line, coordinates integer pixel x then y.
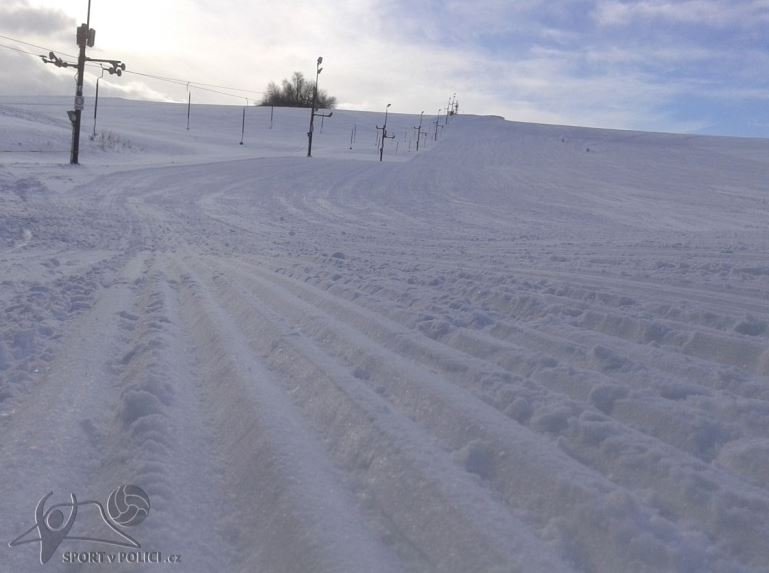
{"type": "Point", "coordinates": [296, 92]}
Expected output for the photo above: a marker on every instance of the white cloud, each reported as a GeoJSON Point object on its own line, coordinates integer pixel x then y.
{"type": "Point", "coordinates": [18, 17]}
{"type": "Point", "coordinates": [714, 13]}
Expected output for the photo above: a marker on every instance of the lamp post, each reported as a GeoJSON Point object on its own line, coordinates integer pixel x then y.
{"type": "Point", "coordinates": [419, 129]}
{"type": "Point", "coordinates": [384, 133]}
{"type": "Point", "coordinates": [313, 113]}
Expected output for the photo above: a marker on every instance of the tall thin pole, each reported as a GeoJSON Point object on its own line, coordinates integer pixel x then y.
{"type": "Point", "coordinates": [318, 69]}
{"type": "Point", "coordinates": [96, 105]}
{"type": "Point", "coordinates": [437, 121]}
{"type": "Point", "coordinates": [313, 110]}
{"type": "Point", "coordinates": [84, 38]}
{"type": "Point", "coordinates": [419, 129]}
{"type": "Point", "coordinates": [75, 153]}
{"type": "Point", "coordinates": [243, 127]}
{"type": "Point", "coordinates": [272, 110]}
{"type": "Point", "coordinates": [384, 134]}
{"type": "Point", "coordinates": [189, 106]}
{"type": "Point", "coordinates": [82, 41]}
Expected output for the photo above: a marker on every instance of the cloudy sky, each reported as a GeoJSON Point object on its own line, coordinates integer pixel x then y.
{"type": "Point", "coordinates": [695, 66]}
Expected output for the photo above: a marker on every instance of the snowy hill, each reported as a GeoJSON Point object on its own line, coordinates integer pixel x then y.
{"type": "Point", "coordinates": [524, 348]}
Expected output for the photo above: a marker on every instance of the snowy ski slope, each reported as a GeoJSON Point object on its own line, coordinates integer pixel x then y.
{"type": "Point", "coordinates": [526, 348]}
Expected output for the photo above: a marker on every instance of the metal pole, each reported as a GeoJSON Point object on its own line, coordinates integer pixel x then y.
{"type": "Point", "coordinates": [96, 106]}
{"type": "Point", "coordinates": [272, 110]}
{"type": "Point", "coordinates": [312, 111]}
{"type": "Point", "coordinates": [82, 39]}
{"type": "Point", "coordinates": [243, 127]}
{"type": "Point", "coordinates": [189, 106]}
{"type": "Point", "coordinates": [384, 133]}
{"type": "Point", "coordinates": [419, 129]}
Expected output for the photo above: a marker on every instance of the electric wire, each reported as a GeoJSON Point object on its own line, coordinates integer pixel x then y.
{"type": "Point", "coordinates": [207, 87]}
{"type": "Point", "coordinates": [18, 50]}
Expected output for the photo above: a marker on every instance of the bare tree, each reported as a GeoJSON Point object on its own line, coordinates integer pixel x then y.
{"type": "Point", "coordinates": [296, 92]}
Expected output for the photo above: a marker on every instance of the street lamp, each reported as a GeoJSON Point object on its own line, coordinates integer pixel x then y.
{"type": "Point", "coordinates": [419, 129]}
{"type": "Point", "coordinates": [384, 133]}
{"type": "Point", "coordinates": [313, 113]}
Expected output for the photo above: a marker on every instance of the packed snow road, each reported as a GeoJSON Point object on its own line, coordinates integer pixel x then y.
{"type": "Point", "coordinates": [529, 348]}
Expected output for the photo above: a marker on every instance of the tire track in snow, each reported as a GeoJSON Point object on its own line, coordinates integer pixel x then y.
{"type": "Point", "coordinates": [582, 365]}
{"type": "Point", "coordinates": [292, 514]}
{"type": "Point", "coordinates": [158, 437]}
{"type": "Point", "coordinates": [430, 503]}
{"type": "Point", "coordinates": [530, 474]}
{"type": "Point", "coordinates": [595, 441]}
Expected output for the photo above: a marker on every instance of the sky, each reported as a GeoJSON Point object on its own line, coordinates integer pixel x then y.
{"type": "Point", "coordinates": [689, 66]}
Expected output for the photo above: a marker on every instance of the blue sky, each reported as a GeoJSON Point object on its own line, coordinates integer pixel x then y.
{"type": "Point", "coordinates": [695, 66]}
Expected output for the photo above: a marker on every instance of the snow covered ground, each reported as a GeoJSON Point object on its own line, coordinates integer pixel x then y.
{"type": "Point", "coordinates": [525, 348]}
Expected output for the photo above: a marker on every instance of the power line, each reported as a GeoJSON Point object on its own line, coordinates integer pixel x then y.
{"type": "Point", "coordinates": [18, 50]}
{"type": "Point", "coordinates": [185, 82]}
{"type": "Point", "coordinates": [198, 85]}
{"type": "Point", "coordinates": [33, 46]}
{"type": "Point", "coordinates": [34, 54]}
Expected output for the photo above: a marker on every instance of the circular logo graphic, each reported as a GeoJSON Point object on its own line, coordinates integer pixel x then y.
{"type": "Point", "coordinates": [128, 505]}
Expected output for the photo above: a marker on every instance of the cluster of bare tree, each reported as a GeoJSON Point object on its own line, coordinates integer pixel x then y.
{"type": "Point", "coordinates": [296, 92]}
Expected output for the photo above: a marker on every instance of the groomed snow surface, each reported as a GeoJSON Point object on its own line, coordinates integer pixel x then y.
{"type": "Point", "coordinates": [525, 348]}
